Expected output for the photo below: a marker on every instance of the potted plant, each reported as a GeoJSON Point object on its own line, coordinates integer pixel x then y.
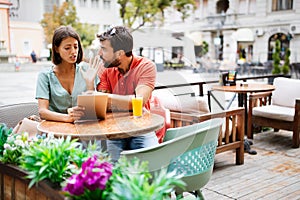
{"type": "Point", "coordinates": [277, 68]}
{"type": "Point", "coordinates": [128, 179]}
{"type": "Point", "coordinates": [276, 60]}
{"type": "Point", "coordinates": [14, 183]}
{"type": "Point", "coordinates": [61, 167]}
{"type": "Point", "coordinates": [53, 159]}
{"type": "Point", "coordinates": [286, 64]}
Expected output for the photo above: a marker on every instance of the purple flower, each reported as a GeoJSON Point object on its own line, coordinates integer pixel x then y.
{"type": "Point", "coordinates": [74, 185]}
{"type": "Point", "coordinates": [93, 175]}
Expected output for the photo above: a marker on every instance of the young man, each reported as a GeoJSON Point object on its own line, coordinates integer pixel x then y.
{"type": "Point", "coordinates": [124, 76]}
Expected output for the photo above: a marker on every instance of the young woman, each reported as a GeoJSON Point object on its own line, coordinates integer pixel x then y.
{"type": "Point", "coordinates": [57, 88]}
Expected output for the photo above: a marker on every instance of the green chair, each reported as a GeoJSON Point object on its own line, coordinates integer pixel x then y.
{"type": "Point", "coordinates": [190, 150]}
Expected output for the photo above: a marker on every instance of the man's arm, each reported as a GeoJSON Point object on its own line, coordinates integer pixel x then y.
{"type": "Point", "coordinates": [123, 102]}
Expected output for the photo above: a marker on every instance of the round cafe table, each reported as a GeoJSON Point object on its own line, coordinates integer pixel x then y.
{"type": "Point", "coordinates": [115, 126]}
{"type": "Point", "coordinates": [248, 88]}
{"type": "Point", "coordinates": [242, 91]}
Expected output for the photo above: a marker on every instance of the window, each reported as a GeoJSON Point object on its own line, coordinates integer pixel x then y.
{"type": "Point", "coordinates": [252, 6]}
{"type": "Point", "coordinates": [82, 3]}
{"type": "Point", "coordinates": [26, 48]}
{"type": "Point", "coordinates": [95, 3]}
{"type": "Point", "coordinates": [284, 44]}
{"type": "Point", "coordinates": [222, 6]}
{"type": "Point", "coordinates": [243, 6]}
{"type": "Point", "coordinates": [48, 5]}
{"type": "Point", "coordinates": [247, 6]}
{"type": "Point", "coordinates": [106, 27]}
{"type": "Point", "coordinates": [282, 5]}
{"type": "Point", "coordinates": [106, 4]}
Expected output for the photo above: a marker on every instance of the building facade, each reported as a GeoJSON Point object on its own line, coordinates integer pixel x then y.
{"type": "Point", "coordinates": [243, 29]}
{"type": "Point", "coordinates": [26, 33]}
{"type": "Point", "coordinates": [235, 30]}
{"type": "Point", "coordinates": [4, 30]}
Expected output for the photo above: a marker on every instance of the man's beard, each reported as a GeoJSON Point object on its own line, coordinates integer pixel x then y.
{"type": "Point", "coordinates": [115, 63]}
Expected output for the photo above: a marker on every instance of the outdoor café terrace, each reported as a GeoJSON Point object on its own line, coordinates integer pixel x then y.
{"type": "Point", "coordinates": [273, 173]}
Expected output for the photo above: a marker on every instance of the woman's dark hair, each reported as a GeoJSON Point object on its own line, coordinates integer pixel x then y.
{"type": "Point", "coordinates": [120, 39]}
{"type": "Point", "coordinates": [60, 34]}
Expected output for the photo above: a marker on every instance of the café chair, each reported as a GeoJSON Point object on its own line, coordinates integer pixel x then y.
{"type": "Point", "coordinates": [13, 113]}
{"type": "Point", "coordinates": [279, 109]}
{"type": "Point", "coordinates": [190, 150]}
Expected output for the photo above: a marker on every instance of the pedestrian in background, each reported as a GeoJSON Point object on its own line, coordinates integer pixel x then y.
{"type": "Point", "coordinates": [33, 56]}
{"type": "Point", "coordinates": [17, 65]}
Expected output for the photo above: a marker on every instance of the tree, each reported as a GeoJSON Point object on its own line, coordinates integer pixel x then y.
{"type": "Point", "coordinates": [66, 15]}
{"type": "Point", "coordinates": [87, 33]}
{"type": "Point", "coordinates": [137, 13]}
{"type": "Point", "coordinates": [184, 6]}
{"type": "Point", "coordinates": [286, 65]}
{"type": "Point", "coordinates": [276, 58]}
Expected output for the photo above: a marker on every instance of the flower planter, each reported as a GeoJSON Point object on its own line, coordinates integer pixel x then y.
{"type": "Point", "coordinates": [14, 185]}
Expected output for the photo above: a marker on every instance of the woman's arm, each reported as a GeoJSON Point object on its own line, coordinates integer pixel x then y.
{"type": "Point", "coordinates": [74, 113]}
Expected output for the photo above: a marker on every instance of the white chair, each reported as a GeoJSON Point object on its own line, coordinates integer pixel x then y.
{"type": "Point", "coordinates": [279, 110]}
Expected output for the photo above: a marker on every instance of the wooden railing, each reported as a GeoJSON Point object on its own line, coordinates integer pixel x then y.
{"type": "Point", "coordinates": [202, 83]}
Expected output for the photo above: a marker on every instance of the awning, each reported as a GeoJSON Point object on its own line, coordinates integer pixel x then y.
{"type": "Point", "coordinates": [152, 37]}
{"type": "Point", "coordinates": [196, 37]}
{"type": "Point", "coordinates": [243, 35]}
{"type": "Point", "coordinates": [157, 37]}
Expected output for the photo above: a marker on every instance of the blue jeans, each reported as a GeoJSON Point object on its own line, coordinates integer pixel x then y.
{"type": "Point", "coordinates": [114, 147]}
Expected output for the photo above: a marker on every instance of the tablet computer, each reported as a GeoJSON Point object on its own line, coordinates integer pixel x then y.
{"type": "Point", "coordinates": [95, 105]}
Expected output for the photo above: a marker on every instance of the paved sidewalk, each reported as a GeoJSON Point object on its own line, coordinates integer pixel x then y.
{"type": "Point", "coordinates": [274, 173]}
{"type": "Point", "coordinates": [19, 86]}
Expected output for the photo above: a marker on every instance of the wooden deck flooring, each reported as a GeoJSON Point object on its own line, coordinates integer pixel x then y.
{"type": "Point", "coordinates": [274, 173]}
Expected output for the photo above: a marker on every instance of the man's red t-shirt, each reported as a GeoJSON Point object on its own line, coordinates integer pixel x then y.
{"type": "Point", "coordinates": [142, 72]}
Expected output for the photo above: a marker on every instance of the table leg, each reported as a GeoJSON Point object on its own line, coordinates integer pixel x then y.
{"type": "Point", "coordinates": [210, 94]}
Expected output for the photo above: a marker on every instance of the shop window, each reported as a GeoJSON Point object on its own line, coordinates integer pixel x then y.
{"type": "Point", "coordinates": [245, 51]}
{"type": "Point", "coordinates": [82, 3]}
{"type": "Point", "coordinates": [284, 44]}
{"type": "Point", "coordinates": [95, 3]}
{"type": "Point", "coordinates": [278, 5]}
{"type": "Point", "coordinates": [106, 4]}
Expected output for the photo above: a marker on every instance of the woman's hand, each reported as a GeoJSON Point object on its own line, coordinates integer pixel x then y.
{"type": "Point", "coordinates": [90, 74]}
{"type": "Point", "coordinates": [75, 113]}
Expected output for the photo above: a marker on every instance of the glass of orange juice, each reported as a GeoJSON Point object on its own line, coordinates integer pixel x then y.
{"type": "Point", "coordinates": [137, 106]}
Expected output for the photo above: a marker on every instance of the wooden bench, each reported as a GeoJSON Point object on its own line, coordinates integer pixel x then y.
{"type": "Point", "coordinates": [231, 137]}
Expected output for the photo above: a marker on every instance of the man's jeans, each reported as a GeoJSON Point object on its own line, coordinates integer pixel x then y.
{"type": "Point", "coordinates": [114, 147]}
